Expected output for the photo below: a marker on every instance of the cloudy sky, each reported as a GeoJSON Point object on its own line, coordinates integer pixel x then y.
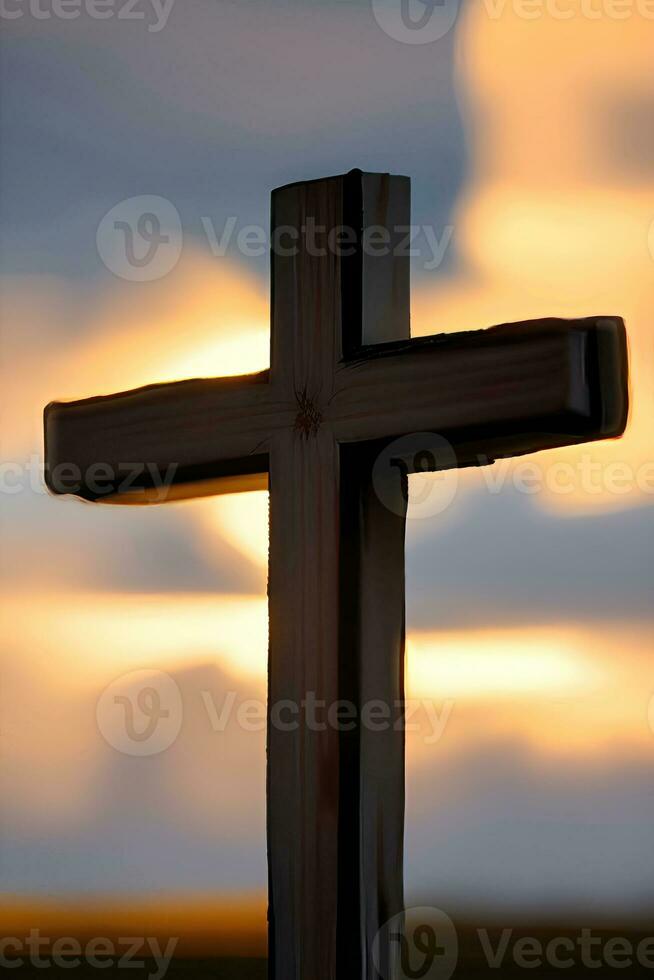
{"type": "Point", "coordinates": [529, 145]}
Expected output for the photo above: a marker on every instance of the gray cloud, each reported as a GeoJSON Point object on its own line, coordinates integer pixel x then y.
{"type": "Point", "coordinates": [494, 825]}
{"type": "Point", "coordinates": [172, 821]}
{"type": "Point", "coordinates": [625, 137]}
{"type": "Point", "coordinates": [506, 561]}
{"type": "Point", "coordinates": [227, 102]}
{"type": "Point", "coordinates": [498, 828]}
{"type": "Point", "coordinates": [63, 543]}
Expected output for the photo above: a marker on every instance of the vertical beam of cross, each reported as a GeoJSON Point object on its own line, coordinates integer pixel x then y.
{"type": "Point", "coordinates": [345, 380]}
{"type": "Point", "coordinates": [328, 635]}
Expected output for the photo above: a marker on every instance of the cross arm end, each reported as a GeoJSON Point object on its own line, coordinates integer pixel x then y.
{"type": "Point", "coordinates": [162, 442]}
{"type": "Point", "coordinates": [504, 391]}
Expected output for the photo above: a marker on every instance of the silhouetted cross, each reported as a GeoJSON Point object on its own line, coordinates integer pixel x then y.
{"type": "Point", "coordinates": [345, 380]}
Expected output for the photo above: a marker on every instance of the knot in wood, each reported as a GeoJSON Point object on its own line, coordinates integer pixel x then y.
{"type": "Point", "coordinates": [309, 417]}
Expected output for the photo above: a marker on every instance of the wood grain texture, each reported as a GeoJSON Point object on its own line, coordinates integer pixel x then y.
{"type": "Point", "coordinates": [334, 851]}
{"type": "Point", "coordinates": [304, 797]}
{"type": "Point", "coordinates": [303, 764]}
{"type": "Point", "coordinates": [372, 618]}
{"type": "Point", "coordinates": [345, 379]}
{"type": "Point", "coordinates": [513, 388]}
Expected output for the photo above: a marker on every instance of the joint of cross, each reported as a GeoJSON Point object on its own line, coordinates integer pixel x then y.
{"type": "Point", "coordinates": [309, 417]}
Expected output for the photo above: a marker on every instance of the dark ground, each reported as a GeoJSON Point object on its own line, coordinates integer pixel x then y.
{"type": "Point", "coordinates": [222, 969]}
{"type": "Point", "coordinates": [472, 963]}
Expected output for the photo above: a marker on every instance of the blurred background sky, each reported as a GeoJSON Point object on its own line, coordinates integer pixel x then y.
{"type": "Point", "coordinates": [530, 139]}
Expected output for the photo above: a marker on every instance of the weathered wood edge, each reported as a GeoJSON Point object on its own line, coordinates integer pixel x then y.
{"type": "Point", "coordinates": [91, 430]}
{"type": "Point", "coordinates": [371, 671]}
{"type": "Point", "coordinates": [607, 362]}
{"type": "Point", "coordinates": [371, 603]}
{"type": "Point", "coordinates": [547, 383]}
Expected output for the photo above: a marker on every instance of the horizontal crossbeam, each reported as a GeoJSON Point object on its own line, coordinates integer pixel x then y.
{"type": "Point", "coordinates": [500, 392]}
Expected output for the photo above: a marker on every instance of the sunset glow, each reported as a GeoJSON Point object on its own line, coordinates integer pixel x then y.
{"type": "Point", "coordinates": [545, 701]}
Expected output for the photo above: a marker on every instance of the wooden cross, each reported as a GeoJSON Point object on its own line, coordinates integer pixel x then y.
{"type": "Point", "coordinates": [345, 379]}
